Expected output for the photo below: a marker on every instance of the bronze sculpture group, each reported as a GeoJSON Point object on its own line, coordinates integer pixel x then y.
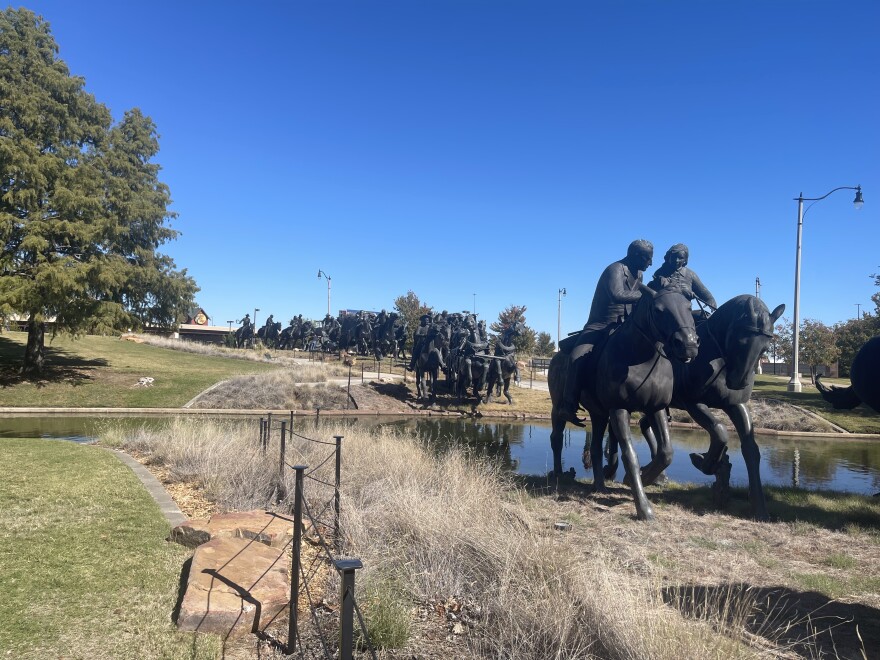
{"type": "Point", "coordinates": [643, 350]}
{"type": "Point", "coordinates": [363, 333]}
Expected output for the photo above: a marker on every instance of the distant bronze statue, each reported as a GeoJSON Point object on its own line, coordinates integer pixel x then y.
{"type": "Point", "coordinates": [245, 333]}
{"type": "Point", "coordinates": [629, 370]}
{"type": "Point", "coordinates": [617, 290]}
{"type": "Point", "coordinates": [503, 366]}
{"type": "Point", "coordinates": [675, 271]}
{"type": "Point", "coordinates": [864, 377]}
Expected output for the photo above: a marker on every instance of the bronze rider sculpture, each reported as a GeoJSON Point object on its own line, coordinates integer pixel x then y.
{"type": "Point", "coordinates": [616, 291]}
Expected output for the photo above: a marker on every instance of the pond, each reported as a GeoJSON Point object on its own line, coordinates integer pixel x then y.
{"type": "Point", "coordinates": [851, 465]}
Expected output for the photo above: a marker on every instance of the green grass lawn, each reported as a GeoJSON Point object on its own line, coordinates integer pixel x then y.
{"type": "Point", "coordinates": [86, 571]}
{"type": "Point", "coordinates": [102, 372]}
{"type": "Point", "coordinates": [859, 420]}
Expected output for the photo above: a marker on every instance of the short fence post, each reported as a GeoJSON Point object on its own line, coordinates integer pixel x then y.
{"type": "Point", "coordinates": [336, 535]}
{"type": "Point", "coordinates": [262, 428]}
{"type": "Point", "coordinates": [295, 566]}
{"type": "Point", "coordinates": [349, 387]}
{"type": "Point", "coordinates": [291, 425]}
{"type": "Point", "coordinates": [362, 373]}
{"type": "Point", "coordinates": [346, 568]}
{"type": "Point", "coordinates": [281, 458]}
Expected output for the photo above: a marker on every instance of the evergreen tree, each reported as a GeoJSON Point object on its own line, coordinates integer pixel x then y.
{"type": "Point", "coordinates": [411, 309]}
{"type": "Point", "coordinates": [544, 346]}
{"type": "Point", "coordinates": [82, 211]}
{"type": "Point", "coordinates": [525, 343]}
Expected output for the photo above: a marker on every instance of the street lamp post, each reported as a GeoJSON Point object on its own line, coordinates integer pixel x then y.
{"type": "Point", "coordinates": [475, 304]}
{"type": "Point", "coordinates": [321, 274]}
{"type": "Point", "coordinates": [757, 287]}
{"type": "Point", "coordinates": [562, 292]}
{"type": "Point", "coordinates": [794, 385]}
{"type": "Point", "coordinates": [858, 311]}
{"type": "Point", "coordinates": [256, 309]}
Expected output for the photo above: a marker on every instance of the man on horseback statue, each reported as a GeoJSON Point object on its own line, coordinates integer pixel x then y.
{"type": "Point", "coordinates": [616, 292]}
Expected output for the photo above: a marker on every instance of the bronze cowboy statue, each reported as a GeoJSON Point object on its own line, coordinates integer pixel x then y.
{"type": "Point", "coordinates": [616, 292]}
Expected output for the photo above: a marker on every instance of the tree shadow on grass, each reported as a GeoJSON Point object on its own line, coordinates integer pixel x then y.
{"type": "Point", "coordinates": [60, 366]}
{"type": "Point", "coordinates": [806, 622]}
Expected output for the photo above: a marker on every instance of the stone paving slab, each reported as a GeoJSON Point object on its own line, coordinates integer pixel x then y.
{"type": "Point", "coordinates": [265, 527]}
{"type": "Point", "coordinates": [235, 586]}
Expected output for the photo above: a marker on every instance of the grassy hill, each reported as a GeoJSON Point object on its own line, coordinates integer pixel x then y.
{"type": "Point", "coordinates": [103, 372]}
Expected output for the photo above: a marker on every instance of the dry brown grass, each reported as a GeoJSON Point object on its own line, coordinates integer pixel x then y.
{"type": "Point", "coordinates": [479, 556]}
{"type": "Point", "coordinates": [288, 389]}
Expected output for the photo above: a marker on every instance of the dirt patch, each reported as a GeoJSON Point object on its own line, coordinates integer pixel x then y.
{"type": "Point", "coordinates": [387, 397]}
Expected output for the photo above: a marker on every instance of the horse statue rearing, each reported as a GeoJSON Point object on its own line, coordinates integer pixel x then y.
{"type": "Point", "coordinates": [630, 372]}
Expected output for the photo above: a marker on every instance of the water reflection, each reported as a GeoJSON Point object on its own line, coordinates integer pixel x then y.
{"type": "Point", "coordinates": [524, 447]}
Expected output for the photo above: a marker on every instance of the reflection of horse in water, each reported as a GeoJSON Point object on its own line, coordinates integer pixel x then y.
{"type": "Point", "coordinates": [503, 366]}
{"type": "Point", "coordinates": [629, 371]}
{"type": "Point", "coordinates": [244, 335]}
{"type": "Point", "coordinates": [864, 376]}
{"type": "Point", "coordinates": [721, 376]}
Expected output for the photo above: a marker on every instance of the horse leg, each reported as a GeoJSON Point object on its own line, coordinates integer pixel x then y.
{"type": "Point", "coordinates": [492, 379]}
{"type": "Point", "coordinates": [662, 458]}
{"type": "Point", "coordinates": [557, 437]}
{"type": "Point", "coordinates": [620, 424]}
{"type": "Point", "coordinates": [742, 421]}
{"type": "Point", "coordinates": [611, 455]}
{"type": "Point", "coordinates": [599, 424]}
{"type": "Point", "coordinates": [507, 390]}
{"type": "Point", "coordinates": [708, 463]}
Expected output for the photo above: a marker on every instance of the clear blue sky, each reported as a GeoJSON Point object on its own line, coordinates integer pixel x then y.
{"type": "Point", "coordinates": [498, 148]}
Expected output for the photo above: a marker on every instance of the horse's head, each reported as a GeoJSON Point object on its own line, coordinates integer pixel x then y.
{"type": "Point", "coordinates": [744, 330]}
{"type": "Point", "coordinates": [671, 321]}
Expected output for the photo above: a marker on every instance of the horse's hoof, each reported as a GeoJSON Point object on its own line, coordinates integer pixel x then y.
{"type": "Point", "coordinates": [600, 489]}
{"type": "Point", "coordinates": [699, 462]}
{"type": "Point", "coordinates": [647, 515]}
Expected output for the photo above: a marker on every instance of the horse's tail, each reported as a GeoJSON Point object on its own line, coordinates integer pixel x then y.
{"type": "Point", "coordinates": [840, 398]}
{"type": "Point", "coordinates": [556, 375]}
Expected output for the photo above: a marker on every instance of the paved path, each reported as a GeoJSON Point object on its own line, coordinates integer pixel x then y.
{"type": "Point", "coordinates": [169, 509]}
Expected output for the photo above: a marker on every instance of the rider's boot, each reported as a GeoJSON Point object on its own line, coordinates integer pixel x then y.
{"type": "Point", "coordinates": [569, 405]}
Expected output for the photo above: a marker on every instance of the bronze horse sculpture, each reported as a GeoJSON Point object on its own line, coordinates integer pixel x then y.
{"type": "Point", "coordinates": [864, 377]}
{"type": "Point", "coordinates": [721, 376]}
{"type": "Point", "coordinates": [503, 364]}
{"type": "Point", "coordinates": [427, 364]}
{"type": "Point", "coordinates": [631, 371]}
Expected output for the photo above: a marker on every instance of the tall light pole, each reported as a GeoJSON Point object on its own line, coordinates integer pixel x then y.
{"type": "Point", "coordinates": [858, 310]}
{"type": "Point", "coordinates": [794, 385]}
{"type": "Point", "coordinates": [321, 274]}
{"type": "Point", "coordinates": [475, 304]}
{"type": "Point", "coordinates": [562, 292]}
{"type": "Point", "coordinates": [256, 309]}
{"type": "Point", "coordinates": [757, 287]}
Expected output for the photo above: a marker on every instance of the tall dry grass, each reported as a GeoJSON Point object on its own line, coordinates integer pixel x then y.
{"type": "Point", "coordinates": [453, 527]}
{"type": "Point", "coordinates": [278, 390]}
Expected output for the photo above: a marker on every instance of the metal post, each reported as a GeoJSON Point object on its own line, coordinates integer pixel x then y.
{"type": "Point", "coordinates": [362, 373]}
{"type": "Point", "coordinates": [794, 384]}
{"type": "Point", "coordinates": [295, 567]}
{"type": "Point", "coordinates": [346, 568]}
{"type": "Point", "coordinates": [336, 498]}
{"type": "Point", "coordinates": [262, 430]}
{"type": "Point", "coordinates": [281, 457]}
{"type": "Point", "coordinates": [291, 424]}
{"type": "Point", "coordinates": [349, 386]}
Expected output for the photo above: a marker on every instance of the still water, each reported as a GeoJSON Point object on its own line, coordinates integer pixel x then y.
{"type": "Point", "coordinates": [838, 464]}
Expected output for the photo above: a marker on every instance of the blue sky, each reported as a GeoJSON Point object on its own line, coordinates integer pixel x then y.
{"type": "Point", "coordinates": [500, 148]}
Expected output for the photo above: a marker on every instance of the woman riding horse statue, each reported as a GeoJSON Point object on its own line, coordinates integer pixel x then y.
{"type": "Point", "coordinates": [503, 365]}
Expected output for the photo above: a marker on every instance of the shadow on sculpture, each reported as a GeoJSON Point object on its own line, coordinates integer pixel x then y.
{"type": "Point", "coordinates": [865, 379]}
{"type": "Point", "coordinates": [721, 376]}
{"type": "Point", "coordinates": [628, 370]}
